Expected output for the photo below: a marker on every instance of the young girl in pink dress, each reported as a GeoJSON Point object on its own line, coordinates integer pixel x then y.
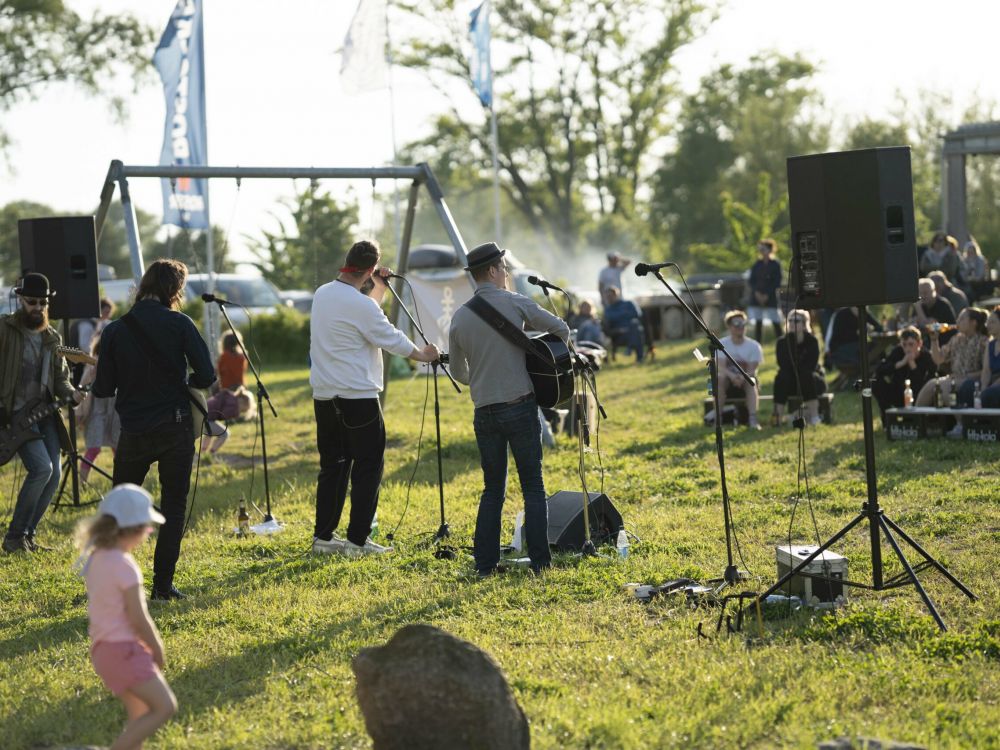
{"type": "Point", "coordinates": [126, 648]}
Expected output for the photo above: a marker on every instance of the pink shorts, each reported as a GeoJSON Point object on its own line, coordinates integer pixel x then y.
{"type": "Point", "coordinates": [123, 664]}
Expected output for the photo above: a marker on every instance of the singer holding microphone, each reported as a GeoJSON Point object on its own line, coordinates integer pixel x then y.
{"type": "Point", "coordinates": [347, 333]}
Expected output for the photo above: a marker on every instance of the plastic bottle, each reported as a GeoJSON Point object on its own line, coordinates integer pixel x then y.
{"type": "Point", "coordinates": [710, 391]}
{"type": "Point", "coordinates": [977, 399]}
{"type": "Point", "coordinates": [243, 519]}
{"type": "Point", "coordinates": [907, 395]}
{"type": "Point", "coordinates": [518, 542]}
{"type": "Point", "coordinates": [622, 544]}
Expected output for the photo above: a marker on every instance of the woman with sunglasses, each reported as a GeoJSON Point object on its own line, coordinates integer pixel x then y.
{"type": "Point", "coordinates": [799, 371]}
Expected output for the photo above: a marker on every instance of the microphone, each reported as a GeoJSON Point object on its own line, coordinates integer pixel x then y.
{"type": "Point", "coordinates": [212, 298]}
{"type": "Point", "coordinates": [641, 269]}
{"type": "Point", "coordinates": [544, 284]}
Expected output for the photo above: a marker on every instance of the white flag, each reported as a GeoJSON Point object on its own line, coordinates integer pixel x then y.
{"type": "Point", "coordinates": [363, 66]}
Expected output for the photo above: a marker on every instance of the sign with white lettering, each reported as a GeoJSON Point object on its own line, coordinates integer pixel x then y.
{"type": "Point", "coordinates": [179, 59]}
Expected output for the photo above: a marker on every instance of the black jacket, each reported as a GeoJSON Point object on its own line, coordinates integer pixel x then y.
{"type": "Point", "coordinates": [146, 396]}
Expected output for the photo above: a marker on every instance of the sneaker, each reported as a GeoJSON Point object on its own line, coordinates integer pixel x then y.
{"type": "Point", "coordinates": [955, 433]}
{"type": "Point", "coordinates": [167, 595]}
{"type": "Point", "coordinates": [350, 549]}
{"type": "Point", "coordinates": [753, 424]}
{"type": "Point", "coordinates": [35, 546]}
{"type": "Point", "coordinates": [815, 421]}
{"type": "Point", "coordinates": [16, 546]}
{"type": "Point", "coordinates": [324, 547]}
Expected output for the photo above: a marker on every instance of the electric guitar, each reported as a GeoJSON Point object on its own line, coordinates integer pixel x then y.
{"type": "Point", "coordinates": [550, 367]}
{"type": "Point", "coordinates": [19, 431]}
{"type": "Point", "coordinates": [77, 356]}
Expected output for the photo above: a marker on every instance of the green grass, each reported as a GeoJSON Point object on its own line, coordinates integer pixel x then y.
{"type": "Point", "coordinates": [259, 655]}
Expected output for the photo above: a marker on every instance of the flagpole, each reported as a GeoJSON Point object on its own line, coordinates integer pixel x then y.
{"type": "Point", "coordinates": [392, 127]}
{"type": "Point", "coordinates": [496, 171]}
{"type": "Point", "coordinates": [212, 320]}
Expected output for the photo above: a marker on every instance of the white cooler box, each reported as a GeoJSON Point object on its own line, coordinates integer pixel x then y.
{"type": "Point", "coordinates": [812, 591]}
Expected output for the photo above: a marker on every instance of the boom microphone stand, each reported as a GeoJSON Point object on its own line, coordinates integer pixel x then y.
{"type": "Point", "coordinates": [732, 574]}
{"type": "Point", "coordinates": [443, 551]}
{"type": "Point", "coordinates": [583, 379]}
{"type": "Point", "coordinates": [262, 395]}
{"type": "Point", "coordinates": [876, 518]}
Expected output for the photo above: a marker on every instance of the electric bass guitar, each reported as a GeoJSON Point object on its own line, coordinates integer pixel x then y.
{"type": "Point", "coordinates": [550, 367]}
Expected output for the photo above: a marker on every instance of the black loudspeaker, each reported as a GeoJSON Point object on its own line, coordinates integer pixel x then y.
{"type": "Point", "coordinates": [64, 248]}
{"type": "Point", "coordinates": [566, 531]}
{"type": "Point", "coordinates": [853, 238]}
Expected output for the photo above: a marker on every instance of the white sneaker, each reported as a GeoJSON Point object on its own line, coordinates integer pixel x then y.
{"type": "Point", "coordinates": [955, 433]}
{"type": "Point", "coordinates": [333, 547]}
{"type": "Point", "coordinates": [350, 549]}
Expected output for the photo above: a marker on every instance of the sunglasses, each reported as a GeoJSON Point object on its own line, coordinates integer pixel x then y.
{"type": "Point", "coordinates": [32, 302]}
{"type": "Point", "coordinates": [737, 324]}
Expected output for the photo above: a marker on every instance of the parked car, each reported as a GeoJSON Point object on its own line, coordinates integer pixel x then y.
{"type": "Point", "coordinates": [300, 299]}
{"type": "Point", "coordinates": [249, 295]}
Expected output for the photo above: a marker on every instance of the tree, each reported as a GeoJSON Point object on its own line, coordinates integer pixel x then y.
{"type": "Point", "coordinates": [44, 42]}
{"type": "Point", "coordinates": [739, 124]}
{"type": "Point", "coordinates": [309, 252]}
{"type": "Point", "coordinates": [583, 95]}
{"type": "Point", "coordinates": [746, 226]}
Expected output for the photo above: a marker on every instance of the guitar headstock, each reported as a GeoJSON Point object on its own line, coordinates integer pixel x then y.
{"type": "Point", "coordinates": [77, 356]}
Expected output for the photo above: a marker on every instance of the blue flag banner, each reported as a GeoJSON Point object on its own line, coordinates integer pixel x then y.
{"type": "Point", "coordinates": [179, 59]}
{"type": "Point", "coordinates": [479, 63]}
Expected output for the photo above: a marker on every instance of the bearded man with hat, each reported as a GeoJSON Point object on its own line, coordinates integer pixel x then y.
{"type": "Point", "coordinates": [31, 370]}
{"type": "Point", "coordinates": [506, 411]}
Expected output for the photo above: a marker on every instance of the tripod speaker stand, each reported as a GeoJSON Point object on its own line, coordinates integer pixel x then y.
{"type": "Point", "coordinates": [878, 522]}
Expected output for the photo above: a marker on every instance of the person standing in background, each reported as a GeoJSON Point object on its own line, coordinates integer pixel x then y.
{"type": "Point", "coordinates": [611, 276]}
{"type": "Point", "coordinates": [765, 281]}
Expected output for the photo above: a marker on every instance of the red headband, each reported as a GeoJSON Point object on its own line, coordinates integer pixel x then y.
{"type": "Point", "coordinates": [354, 269]}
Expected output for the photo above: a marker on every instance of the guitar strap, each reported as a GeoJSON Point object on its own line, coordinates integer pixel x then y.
{"type": "Point", "coordinates": [154, 355]}
{"type": "Point", "coordinates": [499, 323]}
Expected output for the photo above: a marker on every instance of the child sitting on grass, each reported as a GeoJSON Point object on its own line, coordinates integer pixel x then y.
{"type": "Point", "coordinates": [126, 648]}
{"type": "Point", "coordinates": [226, 406]}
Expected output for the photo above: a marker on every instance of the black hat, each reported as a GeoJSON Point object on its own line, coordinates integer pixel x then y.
{"type": "Point", "coordinates": [34, 285]}
{"type": "Point", "coordinates": [484, 255]}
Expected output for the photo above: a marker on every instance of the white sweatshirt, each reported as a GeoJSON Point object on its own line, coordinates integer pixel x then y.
{"type": "Point", "coordinates": [347, 330]}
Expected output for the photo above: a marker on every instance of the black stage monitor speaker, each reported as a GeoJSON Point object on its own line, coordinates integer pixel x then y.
{"type": "Point", "coordinates": [64, 248]}
{"type": "Point", "coordinates": [566, 530]}
{"type": "Point", "coordinates": [853, 238]}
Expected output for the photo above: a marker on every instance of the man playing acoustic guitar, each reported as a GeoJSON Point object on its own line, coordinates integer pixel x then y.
{"type": "Point", "coordinates": [31, 374]}
{"type": "Point", "coordinates": [506, 410]}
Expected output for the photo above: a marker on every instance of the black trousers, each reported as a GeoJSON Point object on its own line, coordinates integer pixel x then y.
{"type": "Point", "coordinates": [350, 436]}
{"type": "Point", "coordinates": [812, 384]}
{"type": "Point", "coordinates": [171, 447]}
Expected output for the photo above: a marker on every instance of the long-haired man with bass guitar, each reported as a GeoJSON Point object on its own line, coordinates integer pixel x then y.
{"type": "Point", "coordinates": [144, 361]}
{"type": "Point", "coordinates": [33, 381]}
{"type": "Point", "coordinates": [506, 409]}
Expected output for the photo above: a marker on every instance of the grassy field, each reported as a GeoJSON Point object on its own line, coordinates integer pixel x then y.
{"type": "Point", "coordinates": [259, 655]}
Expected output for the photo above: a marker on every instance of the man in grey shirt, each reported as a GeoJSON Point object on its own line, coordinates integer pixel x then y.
{"type": "Point", "coordinates": [506, 412]}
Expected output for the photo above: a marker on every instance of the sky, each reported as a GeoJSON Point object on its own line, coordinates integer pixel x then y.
{"type": "Point", "coordinates": [274, 97]}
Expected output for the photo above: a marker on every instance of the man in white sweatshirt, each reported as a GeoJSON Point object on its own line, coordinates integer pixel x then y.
{"type": "Point", "coordinates": [348, 332]}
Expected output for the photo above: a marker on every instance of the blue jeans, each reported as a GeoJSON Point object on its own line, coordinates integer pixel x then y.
{"type": "Point", "coordinates": [41, 461]}
{"type": "Point", "coordinates": [497, 427]}
{"type": "Point", "coordinates": [632, 336]}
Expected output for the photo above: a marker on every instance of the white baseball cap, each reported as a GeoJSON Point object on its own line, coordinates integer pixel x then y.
{"type": "Point", "coordinates": [129, 505]}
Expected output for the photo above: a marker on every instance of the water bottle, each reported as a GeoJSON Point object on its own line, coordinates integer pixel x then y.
{"type": "Point", "coordinates": [907, 395]}
{"type": "Point", "coordinates": [517, 542]}
{"type": "Point", "coordinates": [710, 391]}
{"type": "Point", "coordinates": [622, 544]}
{"type": "Point", "coordinates": [977, 398]}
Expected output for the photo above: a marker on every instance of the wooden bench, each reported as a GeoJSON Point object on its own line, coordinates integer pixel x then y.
{"type": "Point", "coordinates": [740, 406]}
{"type": "Point", "coordinates": [917, 422]}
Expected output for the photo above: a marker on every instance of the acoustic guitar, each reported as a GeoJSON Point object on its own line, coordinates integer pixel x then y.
{"type": "Point", "coordinates": [550, 367]}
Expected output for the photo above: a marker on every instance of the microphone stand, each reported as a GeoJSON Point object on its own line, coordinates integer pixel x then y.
{"type": "Point", "coordinates": [262, 395]}
{"type": "Point", "coordinates": [732, 574]}
{"type": "Point", "coordinates": [582, 381]}
{"type": "Point", "coordinates": [443, 551]}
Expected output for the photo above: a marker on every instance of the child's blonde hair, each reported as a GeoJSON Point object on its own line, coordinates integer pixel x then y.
{"type": "Point", "coordinates": [102, 532]}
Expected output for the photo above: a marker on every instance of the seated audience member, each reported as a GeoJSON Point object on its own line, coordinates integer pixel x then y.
{"type": "Point", "coordinates": [624, 322]}
{"type": "Point", "coordinates": [227, 405]}
{"type": "Point", "coordinates": [973, 272]}
{"type": "Point", "coordinates": [946, 290]}
{"type": "Point", "coordinates": [750, 356]}
{"type": "Point", "coordinates": [765, 281]}
{"type": "Point", "coordinates": [588, 328]}
{"type": "Point", "coordinates": [231, 365]}
{"type": "Point", "coordinates": [930, 308]}
{"type": "Point", "coordinates": [963, 355]}
{"type": "Point", "coordinates": [799, 371]}
{"type": "Point", "coordinates": [907, 361]}
{"type": "Point", "coordinates": [989, 375]}
{"type": "Point", "coordinates": [843, 347]}
{"type": "Point", "coordinates": [941, 256]}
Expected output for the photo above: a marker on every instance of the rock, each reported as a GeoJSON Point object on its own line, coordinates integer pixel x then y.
{"type": "Point", "coordinates": [866, 743]}
{"type": "Point", "coordinates": [426, 688]}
